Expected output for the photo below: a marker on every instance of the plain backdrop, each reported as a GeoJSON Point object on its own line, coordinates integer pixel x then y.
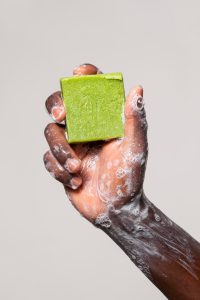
{"type": "Point", "coordinates": [47, 251]}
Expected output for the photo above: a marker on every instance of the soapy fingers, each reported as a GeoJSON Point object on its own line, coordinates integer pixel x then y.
{"type": "Point", "coordinates": [135, 119]}
{"type": "Point", "coordinates": [59, 173]}
{"type": "Point", "coordinates": [54, 103]}
{"type": "Point", "coordinates": [55, 107]}
{"type": "Point", "coordinates": [64, 154]}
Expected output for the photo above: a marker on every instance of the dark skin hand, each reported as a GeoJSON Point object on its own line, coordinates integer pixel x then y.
{"type": "Point", "coordinates": [104, 181]}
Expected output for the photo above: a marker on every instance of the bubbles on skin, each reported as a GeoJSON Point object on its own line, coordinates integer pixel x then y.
{"type": "Point", "coordinates": [48, 165]}
{"type": "Point", "coordinates": [137, 103]}
{"type": "Point", "coordinates": [140, 103]}
{"type": "Point", "coordinates": [107, 186]}
{"type": "Point", "coordinates": [60, 167]}
{"type": "Point", "coordinates": [143, 122]}
{"type": "Point", "coordinates": [130, 157]}
{"type": "Point", "coordinates": [136, 212]}
{"type": "Point", "coordinates": [143, 267]}
{"type": "Point", "coordinates": [120, 173]}
{"type": "Point", "coordinates": [52, 174]}
{"type": "Point", "coordinates": [91, 163]}
{"type": "Point", "coordinates": [103, 220]}
{"type": "Point", "coordinates": [74, 187]}
{"type": "Point", "coordinates": [47, 132]}
{"type": "Point", "coordinates": [124, 172]}
{"type": "Point", "coordinates": [142, 239]}
{"type": "Point", "coordinates": [119, 191]}
{"type": "Point", "coordinates": [56, 148]}
{"type": "Point", "coordinates": [100, 188]}
{"type": "Point", "coordinates": [90, 192]}
{"type": "Point", "coordinates": [143, 247]}
{"type": "Point", "coordinates": [61, 149]}
{"type": "Point", "coordinates": [129, 186]}
{"type": "Point", "coordinates": [157, 218]}
{"type": "Point", "coordinates": [119, 140]}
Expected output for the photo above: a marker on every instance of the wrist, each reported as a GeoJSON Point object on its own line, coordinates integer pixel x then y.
{"type": "Point", "coordinates": [118, 216]}
{"type": "Point", "coordinates": [158, 247]}
{"type": "Point", "coordinates": [126, 226]}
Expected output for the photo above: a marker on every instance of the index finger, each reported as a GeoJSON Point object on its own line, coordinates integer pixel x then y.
{"type": "Point", "coordinates": [54, 103]}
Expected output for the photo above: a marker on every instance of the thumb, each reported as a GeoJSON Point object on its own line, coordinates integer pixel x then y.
{"type": "Point", "coordinates": [135, 119]}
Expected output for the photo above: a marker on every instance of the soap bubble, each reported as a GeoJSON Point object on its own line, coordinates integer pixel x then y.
{"type": "Point", "coordinates": [103, 220]}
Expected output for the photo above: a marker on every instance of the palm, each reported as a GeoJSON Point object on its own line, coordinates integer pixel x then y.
{"type": "Point", "coordinates": [112, 173]}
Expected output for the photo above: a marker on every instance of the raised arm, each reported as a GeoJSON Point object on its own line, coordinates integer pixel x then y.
{"type": "Point", "coordinates": [163, 251]}
{"type": "Point", "coordinates": [104, 181]}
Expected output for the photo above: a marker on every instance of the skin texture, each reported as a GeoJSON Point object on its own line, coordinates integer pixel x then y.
{"type": "Point", "coordinates": [104, 182]}
{"type": "Point", "coordinates": [86, 170]}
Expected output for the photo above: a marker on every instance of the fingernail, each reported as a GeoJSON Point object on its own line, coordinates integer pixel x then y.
{"type": "Point", "coordinates": [75, 182]}
{"type": "Point", "coordinates": [57, 113]}
{"type": "Point", "coordinates": [72, 164]}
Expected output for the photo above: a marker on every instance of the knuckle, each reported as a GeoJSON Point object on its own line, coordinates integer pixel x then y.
{"type": "Point", "coordinates": [48, 129]}
{"type": "Point", "coordinates": [61, 152]}
{"type": "Point", "coordinates": [65, 178]}
{"type": "Point", "coordinates": [45, 157]}
{"type": "Point", "coordinates": [48, 102]}
{"type": "Point", "coordinates": [47, 161]}
{"type": "Point", "coordinates": [85, 69]}
{"type": "Point", "coordinates": [52, 100]}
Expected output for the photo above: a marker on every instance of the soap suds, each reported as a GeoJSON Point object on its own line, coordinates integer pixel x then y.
{"type": "Point", "coordinates": [142, 236]}
{"type": "Point", "coordinates": [91, 163]}
{"type": "Point", "coordinates": [130, 157]}
{"type": "Point", "coordinates": [56, 148]}
{"type": "Point", "coordinates": [52, 174]}
{"type": "Point", "coordinates": [120, 173]}
{"type": "Point", "coordinates": [103, 220]}
{"type": "Point", "coordinates": [137, 102]}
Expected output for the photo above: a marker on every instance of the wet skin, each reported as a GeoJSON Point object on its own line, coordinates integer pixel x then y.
{"type": "Point", "coordinates": [104, 181]}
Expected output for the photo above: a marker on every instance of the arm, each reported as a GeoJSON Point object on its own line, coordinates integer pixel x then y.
{"type": "Point", "coordinates": [104, 182]}
{"type": "Point", "coordinates": [164, 252]}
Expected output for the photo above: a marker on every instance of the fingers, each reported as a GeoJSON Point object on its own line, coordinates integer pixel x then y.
{"type": "Point", "coordinates": [65, 155]}
{"type": "Point", "coordinates": [86, 69]}
{"type": "Point", "coordinates": [59, 173]}
{"type": "Point", "coordinates": [55, 107]}
{"type": "Point", "coordinates": [135, 117]}
{"type": "Point", "coordinates": [54, 103]}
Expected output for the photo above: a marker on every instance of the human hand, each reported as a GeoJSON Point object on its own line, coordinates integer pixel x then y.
{"type": "Point", "coordinates": [104, 174]}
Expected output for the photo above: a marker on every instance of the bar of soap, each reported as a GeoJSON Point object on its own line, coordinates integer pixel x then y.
{"type": "Point", "coordinates": [95, 107]}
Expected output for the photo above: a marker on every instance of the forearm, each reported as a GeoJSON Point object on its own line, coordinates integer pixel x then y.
{"type": "Point", "coordinates": [163, 251]}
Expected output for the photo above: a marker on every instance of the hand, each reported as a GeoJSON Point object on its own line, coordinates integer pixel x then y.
{"type": "Point", "coordinates": [104, 174]}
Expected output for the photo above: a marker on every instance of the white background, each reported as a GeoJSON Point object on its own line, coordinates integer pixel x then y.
{"type": "Point", "coordinates": [47, 251]}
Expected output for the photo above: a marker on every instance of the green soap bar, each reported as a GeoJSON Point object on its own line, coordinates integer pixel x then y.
{"type": "Point", "coordinates": [95, 107]}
